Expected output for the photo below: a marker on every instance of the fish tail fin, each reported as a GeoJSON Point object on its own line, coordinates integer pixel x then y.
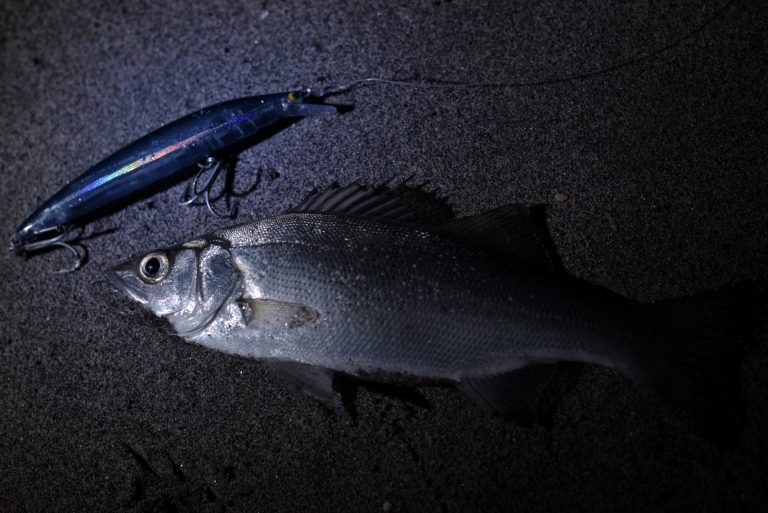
{"type": "Point", "coordinates": [695, 357]}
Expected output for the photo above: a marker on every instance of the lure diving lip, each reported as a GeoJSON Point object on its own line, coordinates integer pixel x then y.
{"type": "Point", "coordinates": [201, 138]}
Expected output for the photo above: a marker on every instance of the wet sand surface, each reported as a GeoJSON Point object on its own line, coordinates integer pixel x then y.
{"type": "Point", "coordinates": [642, 131]}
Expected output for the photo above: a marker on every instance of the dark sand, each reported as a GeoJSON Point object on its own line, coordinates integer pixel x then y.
{"type": "Point", "coordinates": [662, 159]}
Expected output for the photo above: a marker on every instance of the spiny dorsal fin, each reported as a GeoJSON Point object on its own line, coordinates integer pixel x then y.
{"type": "Point", "coordinates": [508, 232]}
{"type": "Point", "coordinates": [356, 200]}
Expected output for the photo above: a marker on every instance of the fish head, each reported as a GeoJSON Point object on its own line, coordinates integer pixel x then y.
{"type": "Point", "coordinates": [162, 280]}
{"type": "Point", "coordinates": [187, 284]}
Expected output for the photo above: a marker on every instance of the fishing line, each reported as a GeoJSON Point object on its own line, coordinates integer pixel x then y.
{"type": "Point", "coordinates": [454, 84]}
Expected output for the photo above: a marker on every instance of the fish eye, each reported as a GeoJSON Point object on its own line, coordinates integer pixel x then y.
{"type": "Point", "coordinates": [154, 267]}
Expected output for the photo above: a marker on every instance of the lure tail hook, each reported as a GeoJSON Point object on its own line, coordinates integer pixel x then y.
{"type": "Point", "coordinates": [204, 193]}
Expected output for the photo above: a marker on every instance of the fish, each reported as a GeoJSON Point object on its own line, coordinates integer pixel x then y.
{"type": "Point", "coordinates": [348, 283]}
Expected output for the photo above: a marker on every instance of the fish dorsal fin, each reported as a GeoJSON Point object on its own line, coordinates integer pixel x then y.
{"type": "Point", "coordinates": [358, 201]}
{"type": "Point", "coordinates": [507, 232]}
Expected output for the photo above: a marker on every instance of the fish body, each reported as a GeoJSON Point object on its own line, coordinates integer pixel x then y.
{"type": "Point", "coordinates": [165, 153]}
{"type": "Point", "coordinates": [322, 290]}
{"type": "Point", "coordinates": [389, 298]}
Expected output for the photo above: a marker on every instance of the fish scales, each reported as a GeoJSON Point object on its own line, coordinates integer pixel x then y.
{"type": "Point", "coordinates": [399, 299]}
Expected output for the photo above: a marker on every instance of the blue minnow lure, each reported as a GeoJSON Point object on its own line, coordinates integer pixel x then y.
{"type": "Point", "coordinates": [200, 139]}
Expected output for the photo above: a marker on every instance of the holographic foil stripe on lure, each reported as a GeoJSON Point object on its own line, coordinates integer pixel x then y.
{"type": "Point", "coordinates": [157, 155]}
{"type": "Point", "coordinates": [205, 137]}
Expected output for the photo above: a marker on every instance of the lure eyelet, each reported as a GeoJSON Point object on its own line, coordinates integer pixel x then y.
{"type": "Point", "coordinates": [154, 267]}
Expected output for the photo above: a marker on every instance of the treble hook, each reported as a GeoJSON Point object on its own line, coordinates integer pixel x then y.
{"type": "Point", "coordinates": [79, 258]}
{"type": "Point", "coordinates": [58, 241]}
{"type": "Point", "coordinates": [205, 191]}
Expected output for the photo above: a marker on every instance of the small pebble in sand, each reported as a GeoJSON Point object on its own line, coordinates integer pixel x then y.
{"type": "Point", "coordinates": [560, 197]}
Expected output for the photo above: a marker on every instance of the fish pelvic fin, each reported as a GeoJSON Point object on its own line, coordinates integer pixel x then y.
{"type": "Point", "coordinates": [317, 382]}
{"type": "Point", "coordinates": [694, 357]}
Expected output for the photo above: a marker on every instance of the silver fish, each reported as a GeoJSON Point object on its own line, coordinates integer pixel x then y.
{"type": "Point", "coordinates": [345, 284]}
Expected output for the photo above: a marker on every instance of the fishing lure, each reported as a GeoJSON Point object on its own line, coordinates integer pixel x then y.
{"type": "Point", "coordinates": [203, 139]}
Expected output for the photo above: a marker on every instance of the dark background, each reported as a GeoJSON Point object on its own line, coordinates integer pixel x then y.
{"type": "Point", "coordinates": [660, 148]}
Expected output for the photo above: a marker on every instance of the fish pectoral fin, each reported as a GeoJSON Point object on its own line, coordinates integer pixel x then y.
{"type": "Point", "coordinates": [513, 393]}
{"type": "Point", "coordinates": [508, 232]}
{"type": "Point", "coordinates": [315, 381]}
{"type": "Point", "coordinates": [263, 313]}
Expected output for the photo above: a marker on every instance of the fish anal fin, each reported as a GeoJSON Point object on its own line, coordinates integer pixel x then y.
{"type": "Point", "coordinates": [262, 313]}
{"type": "Point", "coordinates": [507, 232]}
{"type": "Point", "coordinates": [513, 393]}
